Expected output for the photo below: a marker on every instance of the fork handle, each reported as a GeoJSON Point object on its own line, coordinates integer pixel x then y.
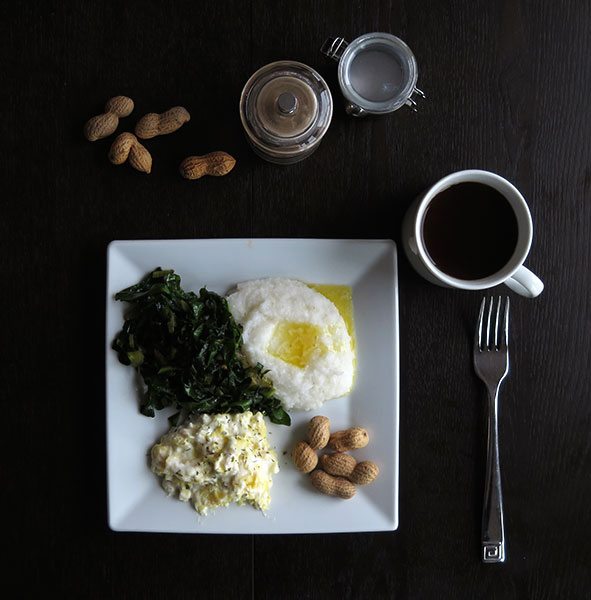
{"type": "Point", "coordinates": [493, 531]}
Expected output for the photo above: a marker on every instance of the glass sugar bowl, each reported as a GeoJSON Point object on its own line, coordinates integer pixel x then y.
{"type": "Point", "coordinates": [377, 73]}
{"type": "Point", "coordinates": [285, 109]}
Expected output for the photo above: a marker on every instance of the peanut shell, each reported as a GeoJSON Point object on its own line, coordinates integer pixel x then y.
{"type": "Point", "coordinates": [121, 147]}
{"type": "Point", "coordinates": [140, 159]}
{"type": "Point", "coordinates": [214, 163]}
{"type": "Point", "coordinates": [154, 124]}
{"type": "Point", "coordinates": [104, 125]}
{"type": "Point", "coordinates": [365, 472]}
{"type": "Point", "coordinates": [338, 463]}
{"type": "Point", "coordinates": [348, 439]}
{"type": "Point", "coordinates": [122, 106]}
{"type": "Point", "coordinates": [304, 458]}
{"type": "Point", "coordinates": [332, 486]}
{"type": "Point", "coordinates": [100, 127]}
{"type": "Point", "coordinates": [125, 147]}
{"type": "Point", "coordinates": [318, 432]}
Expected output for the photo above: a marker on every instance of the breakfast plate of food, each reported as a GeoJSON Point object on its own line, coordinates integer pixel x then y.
{"type": "Point", "coordinates": [252, 385]}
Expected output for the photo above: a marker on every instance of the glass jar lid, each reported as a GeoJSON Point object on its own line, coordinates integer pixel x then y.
{"type": "Point", "coordinates": [378, 72]}
{"type": "Point", "coordinates": [285, 108]}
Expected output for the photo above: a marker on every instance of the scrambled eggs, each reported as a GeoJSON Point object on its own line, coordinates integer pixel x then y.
{"type": "Point", "coordinates": [217, 459]}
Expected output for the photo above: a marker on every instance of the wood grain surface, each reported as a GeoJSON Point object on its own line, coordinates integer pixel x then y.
{"type": "Point", "coordinates": [508, 86]}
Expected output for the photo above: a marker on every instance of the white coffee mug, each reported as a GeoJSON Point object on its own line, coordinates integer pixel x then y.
{"type": "Point", "coordinates": [513, 273]}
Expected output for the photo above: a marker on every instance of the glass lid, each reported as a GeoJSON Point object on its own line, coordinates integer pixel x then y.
{"type": "Point", "coordinates": [285, 107]}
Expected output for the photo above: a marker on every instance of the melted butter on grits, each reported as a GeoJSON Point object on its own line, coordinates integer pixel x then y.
{"type": "Point", "coordinates": [295, 343]}
{"type": "Point", "coordinates": [304, 335]}
{"type": "Point", "coordinates": [342, 297]}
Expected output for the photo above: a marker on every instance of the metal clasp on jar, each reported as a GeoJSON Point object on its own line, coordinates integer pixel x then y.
{"type": "Point", "coordinates": [334, 48]}
{"type": "Point", "coordinates": [411, 102]}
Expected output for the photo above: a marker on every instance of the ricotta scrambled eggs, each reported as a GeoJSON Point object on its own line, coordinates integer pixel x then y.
{"type": "Point", "coordinates": [217, 459]}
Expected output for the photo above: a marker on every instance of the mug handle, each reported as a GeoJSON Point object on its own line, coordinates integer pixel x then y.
{"type": "Point", "coordinates": [524, 282]}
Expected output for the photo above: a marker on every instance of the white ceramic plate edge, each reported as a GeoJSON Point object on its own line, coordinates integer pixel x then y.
{"type": "Point", "coordinates": [118, 516]}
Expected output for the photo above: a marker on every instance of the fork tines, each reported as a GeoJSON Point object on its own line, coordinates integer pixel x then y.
{"type": "Point", "coordinates": [497, 337]}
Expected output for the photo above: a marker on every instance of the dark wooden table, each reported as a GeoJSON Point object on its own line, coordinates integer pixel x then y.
{"type": "Point", "coordinates": [509, 87]}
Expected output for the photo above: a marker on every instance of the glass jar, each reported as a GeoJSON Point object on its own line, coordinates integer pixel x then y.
{"type": "Point", "coordinates": [285, 109]}
{"type": "Point", "coordinates": [377, 73]}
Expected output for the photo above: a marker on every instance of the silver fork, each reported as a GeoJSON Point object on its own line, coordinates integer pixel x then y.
{"type": "Point", "coordinates": [491, 363]}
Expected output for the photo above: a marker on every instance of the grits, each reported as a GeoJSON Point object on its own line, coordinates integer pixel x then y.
{"type": "Point", "coordinates": [299, 336]}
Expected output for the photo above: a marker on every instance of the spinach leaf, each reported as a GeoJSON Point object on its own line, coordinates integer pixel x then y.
{"type": "Point", "coordinates": [187, 347]}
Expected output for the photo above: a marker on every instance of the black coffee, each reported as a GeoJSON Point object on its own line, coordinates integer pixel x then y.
{"type": "Point", "coordinates": [470, 231]}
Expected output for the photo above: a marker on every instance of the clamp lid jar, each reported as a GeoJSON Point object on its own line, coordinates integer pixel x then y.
{"type": "Point", "coordinates": [377, 73]}
{"type": "Point", "coordinates": [285, 108]}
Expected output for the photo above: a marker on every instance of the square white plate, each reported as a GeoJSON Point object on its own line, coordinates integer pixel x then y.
{"type": "Point", "coordinates": [136, 500]}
